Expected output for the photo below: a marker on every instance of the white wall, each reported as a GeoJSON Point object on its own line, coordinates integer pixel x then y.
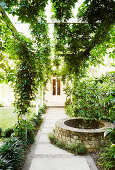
{"type": "Point", "coordinates": [6, 95]}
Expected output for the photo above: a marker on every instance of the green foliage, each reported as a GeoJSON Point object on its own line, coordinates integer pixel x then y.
{"type": "Point", "coordinates": [25, 132]}
{"type": "Point", "coordinates": [93, 11]}
{"type": "Point", "coordinates": [107, 159]}
{"type": "Point", "coordinates": [52, 138]}
{"type": "Point", "coordinates": [36, 120]}
{"type": "Point", "coordinates": [26, 9]}
{"type": "Point", "coordinates": [4, 164]}
{"type": "Point", "coordinates": [69, 110]}
{"type": "Point", "coordinates": [60, 144]}
{"type": "Point", "coordinates": [0, 132]}
{"type": "Point", "coordinates": [112, 136]}
{"type": "Point", "coordinates": [26, 76]}
{"type": "Point", "coordinates": [89, 41]}
{"type": "Point", "coordinates": [8, 132]}
{"type": "Point", "coordinates": [81, 150]}
{"type": "Point", "coordinates": [21, 131]}
{"type": "Point", "coordinates": [75, 41]}
{"type": "Point", "coordinates": [1, 105]}
{"type": "Point", "coordinates": [12, 154]}
{"type": "Point", "coordinates": [63, 10]}
{"type": "Point", "coordinates": [30, 133]}
{"type": "Point", "coordinates": [32, 61]}
{"type": "Point", "coordinates": [74, 148]}
{"type": "Point", "coordinates": [93, 99]}
{"type": "Point", "coordinates": [7, 72]}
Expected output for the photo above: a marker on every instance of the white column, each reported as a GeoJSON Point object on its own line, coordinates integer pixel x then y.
{"type": "Point", "coordinates": [71, 91]}
{"type": "Point", "coordinates": [42, 96]}
{"type": "Point", "coordinates": [37, 100]}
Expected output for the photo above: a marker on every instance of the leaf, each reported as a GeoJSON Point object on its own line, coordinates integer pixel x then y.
{"type": "Point", "coordinates": [112, 72]}
{"type": "Point", "coordinates": [108, 98]}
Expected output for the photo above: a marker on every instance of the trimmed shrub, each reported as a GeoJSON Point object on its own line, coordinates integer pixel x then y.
{"type": "Point", "coordinates": [52, 138]}
{"type": "Point", "coordinates": [81, 150]}
{"type": "Point", "coordinates": [74, 148]}
{"type": "Point", "coordinates": [8, 132]}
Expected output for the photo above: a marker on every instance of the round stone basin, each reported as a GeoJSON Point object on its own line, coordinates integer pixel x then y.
{"type": "Point", "coordinates": [84, 124]}
{"type": "Point", "coordinates": [90, 133]}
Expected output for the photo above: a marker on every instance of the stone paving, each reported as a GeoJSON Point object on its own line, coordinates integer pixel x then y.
{"type": "Point", "coordinates": [45, 156]}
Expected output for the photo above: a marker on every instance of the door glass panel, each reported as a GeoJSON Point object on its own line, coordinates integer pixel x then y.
{"type": "Point", "coordinates": [54, 86]}
{"type": "Point", "coordinates": [58, 86]}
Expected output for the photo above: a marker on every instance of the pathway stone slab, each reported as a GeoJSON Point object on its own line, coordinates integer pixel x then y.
{"type": "Point", "coordinates": [59, 164]}
{"type": "Point", "coordinates": [46, 130]}
{"type": "Point", "coordinates": [49, 149]}
{"type": "Point", "coordinates": [43, 138]}
{"type": "Point", "coordinates": [49, 124]}
{"type": "Point", "coordinates": [49, 157]}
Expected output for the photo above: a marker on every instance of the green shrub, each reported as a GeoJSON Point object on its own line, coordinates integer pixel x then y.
{"type": "Point", "coordinates": [5, 164]}
{"type": "Point", "coordinates": [21, 131]}
{"type": "Point", "coordinates": [0, 132]}
{"type": "Point", "coordinates": [81, 150]}
{"type": "Point", "coordinates": [69, 110]}
{"type": "Point", "coordinates": [30, 133]}
{"type": "Point", "coordinates": [74, 148]}
{"type": "Point", "coordinates": [52, 138]}
{"type": "Point", "coordinates": [112, 136]}
{"type": "Point", "coordinates": [107, 159]}
{"type": "Point", "coordinates": [36, 120]}
{"type": "Point", "coordinates": [41, 111]}
{"type": "Point", "coordinates": [93, 99]}
{"type": "Point", "coordinates": [60, 144]}
{"type": "Point", "coordinates": [8, 132]}
{"type": "Point", "coordinates": [25, 131]}
{"type": "Point", "coordinates": [12, 151]}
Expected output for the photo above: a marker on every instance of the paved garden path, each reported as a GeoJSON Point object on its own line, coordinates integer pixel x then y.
{"type": "Point", "coordinates": [45, 156]}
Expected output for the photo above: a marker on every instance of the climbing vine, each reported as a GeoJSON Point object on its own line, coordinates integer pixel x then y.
{"type": "Point", "coordinates": [78, 44]}
{"type": "Point", "coordinates": [83, 39]}
{"type": "Point", "coordinates": [32, 64]}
